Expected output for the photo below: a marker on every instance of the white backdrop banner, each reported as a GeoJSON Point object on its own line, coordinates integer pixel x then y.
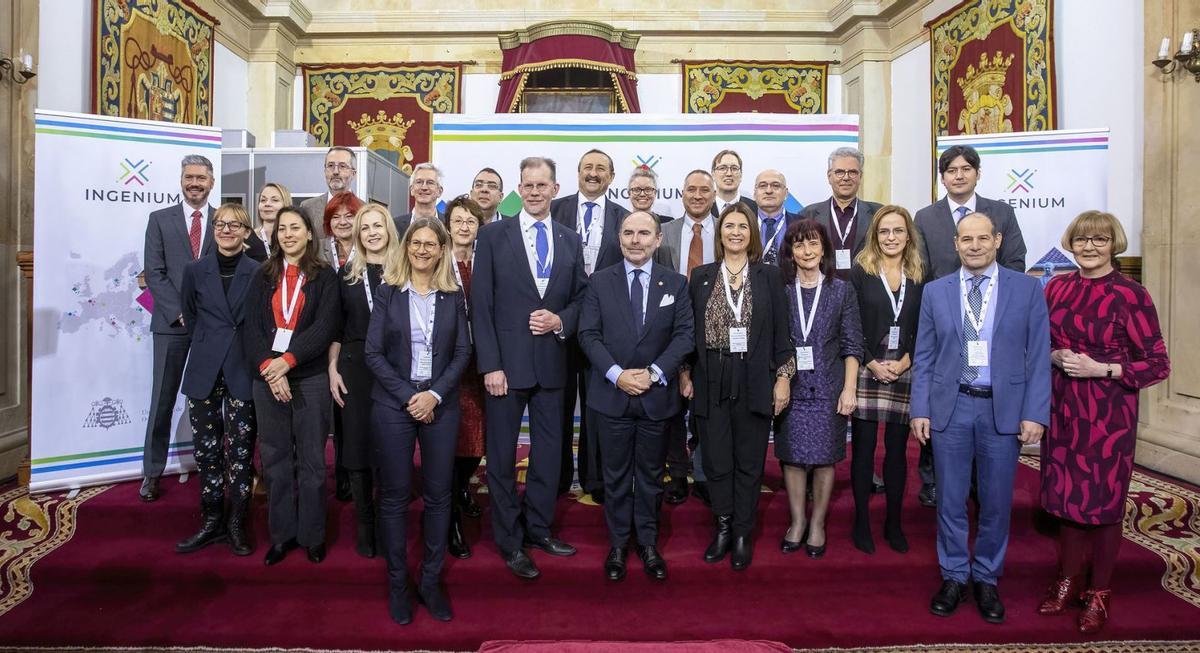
{"type": "Point", "coordinates": [671, 145]}
{"type": "Point", "coordinates": [96, 181]}
{"type": "Point", "coordinates": [1048, 178]}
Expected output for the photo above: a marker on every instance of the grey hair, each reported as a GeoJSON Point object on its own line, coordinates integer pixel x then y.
{"type": "Point", "coordinates": [644, 173]}
{"type": "Point", "coordinates": [844, 152]}
{"type": "Point", "coordinates": [428, 166]}
{"type": "Point", "coordinates": [343, 148]}
{"type": "Point", "coordinates": [706, 173]}
{"type": "Point", "coordinates": [539, 161]}
{"type": "Point", "coordinates": [196, 160]}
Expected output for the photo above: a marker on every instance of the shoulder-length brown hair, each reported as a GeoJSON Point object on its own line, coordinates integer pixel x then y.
{"type": "Point", "coordinates": [754, 249]}
{"type": "Point", "coordinates": [798, 232]}
{"type": "Point", "coordinates": [310, 261]}
{"type": "Point", "coordinates": [871, 256]}
{"type": "Point", "coordinates": [397, 271]}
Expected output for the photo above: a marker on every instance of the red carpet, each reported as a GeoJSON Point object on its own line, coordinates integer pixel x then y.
{"type": "Point", "coordinates": [119, 582]}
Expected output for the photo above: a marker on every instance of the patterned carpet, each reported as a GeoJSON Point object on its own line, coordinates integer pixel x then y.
{"type": "Point", "coordinates": [1091, 647]}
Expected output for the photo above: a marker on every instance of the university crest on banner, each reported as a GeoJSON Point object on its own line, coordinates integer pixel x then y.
{"type": "Point", "coordinates": [993, 67]}
{"type": "Point", "coordinates": [754, 86]}
{"type": "Point", "coordinates": [384, 107]}
{"type": "Point", "coordinates": [152, 59]}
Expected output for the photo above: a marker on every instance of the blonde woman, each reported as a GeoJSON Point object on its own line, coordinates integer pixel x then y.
{"type": "Point", "coordinates": [417, 347]}
{"type": "Point", "coordinates": [271, 199]}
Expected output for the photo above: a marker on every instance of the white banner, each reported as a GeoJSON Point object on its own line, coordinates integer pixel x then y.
{"type": "Point", "coordinates": [96, 181]}
{"type": "Point", "coordinates": [671, 145]}
{"type": "Point", "coordinates": [1048, 178]}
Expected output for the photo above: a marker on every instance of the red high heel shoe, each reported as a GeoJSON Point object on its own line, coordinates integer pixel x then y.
{"type": "Point", "coordinates": [1095, 610]}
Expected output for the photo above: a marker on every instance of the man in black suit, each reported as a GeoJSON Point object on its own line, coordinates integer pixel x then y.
{"type": "Point", "coordinates": [175, 236]}
{"type": "Point", "coordinates": [845, 216]}
{"type": "Point", "coordinates": [636, 327]}
{"type": "Point", "coordinates": [770, 192]}
{"type": "Point", "coordinates": [596, 220]}
{"type": "Point", "coordinates": [425, 188]}
{"type": "Point", "coordinates": [727, 174]}
{"type": "Point", "coordinates": [487, 189]}
{"type": "Point", "coordinates": [643, 190]}
{"type": "Point", "coordinates": [521, 319]}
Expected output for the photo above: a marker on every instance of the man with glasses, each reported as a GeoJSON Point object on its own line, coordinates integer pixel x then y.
{"type": "Point", "coordinates": [846, 217]}
{"type": "Point", "coordinates": [727, 173]}
{"type": "Point", "coordinates": [770, 192]}
{"type": "Point", "coordinates": [175, 236]}
{"type": "Point", "coordinates": [340, 165]}
{"type": "Point", "coordinates": [643, 190]}
{"type": "Point", "coordinates": [487, 189]}
{"type": "Point", "coordinates": [425, 188]}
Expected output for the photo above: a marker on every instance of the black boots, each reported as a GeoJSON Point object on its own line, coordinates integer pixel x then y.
{"type": "Point", "coordinates": [722, 539]}
{"type": "Point", "coordinates": [457, 543]}
{"type": "Point", "coordinates": [239, 537]}
{"type": "Point", "coordinates": [212, 529]}
{"type": "Point", "coordinates": [362, 489]}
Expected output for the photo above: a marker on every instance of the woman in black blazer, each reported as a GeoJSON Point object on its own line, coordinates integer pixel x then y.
{"type": "Point", "coordinates": [888, 276]}
{"type": "Point", "coordinates": [417, 346]}
{"type": "Point", "coordinates": [292, 309]}
{"type": "Point", "coordinates": [217, 382]}
{"type": "Point", "coordinates": [740, 377]}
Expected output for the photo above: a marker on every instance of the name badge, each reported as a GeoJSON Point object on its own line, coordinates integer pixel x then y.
{"type": "Point", "coordinates": [804, 359]}
{"type": "Point", "coordinates": [843, 259]}
{"type": "Point", "coordinates": [738, 340]}
{"type": "Point", "coordinates": [283, 338]}
{"type": "Point", "coordinates": [894, 337]}
{"type": "Point", "coordinates": [590, 254]}
{"type": "Point", "coordinates": [977, 353]}
{"type": "Point", "coordinates": [542, 284]}
{"type": "Point", "coordinates": [424, 365]}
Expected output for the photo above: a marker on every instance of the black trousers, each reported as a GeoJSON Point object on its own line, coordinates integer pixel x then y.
{"type": "Point", "coordinates": [291, 444]}
{"type": "Point", "coordinates": [170, 354]}
{"type": "Point", "coordinates": [862, 468]}
{"type": "Point", "coordinates": [677, 449]}
{"type": "Point", "coordinates": [634, 449]}
{"type": "Point", "coordinates": [219, 421]}
{"type": "Point", "coordinates": [545, 458]}
{"type": "Point", "coordinates": [925, 465]}
{"type": "Point", "coordinates": [591, 474]}
{"type": "Point", "coordinates": [734, 440]}
{"type": "Point", "coordinates": [396, 435]}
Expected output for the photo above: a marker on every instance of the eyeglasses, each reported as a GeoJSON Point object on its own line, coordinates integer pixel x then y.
{"type": "Point", "coordinates": [227, 225]}
{"type": "Point", "coordinates": [845, 174]}
{"type": "Point", "coordinates": [490, 185]}
{"type": "Point", "coordinates": [338, 167]}
{"type": "Point", "coordinates": [723, 169]}
{"type": "Point", "coordinates": [771, 185]}
{"type": "Point", "coordinates": [1096, 241]}
{"type": "Point", "coordinates": [418, 245]}
{"type": "Point", "coordinates": [540, 187]}
{"type": "Point", "coordinates": [425, 182]}
{"type": "Point", "coordinates": [463, 222]}
{"type": "Point", "coordinates": [642, 191]}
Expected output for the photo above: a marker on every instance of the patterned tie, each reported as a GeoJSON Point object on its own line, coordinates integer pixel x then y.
{"type": "Point", "coordinates": [635, 300]}
{"type": "Point", "coordinates": [961, 212]}
{"type": "Point", "coordinates": [696, 248]}
{"type": "Point", "coordinates": [194, 234]}
{"type": "Point", "coordinates": [587, 216]}
{"type": "Point", "coordinates": [542, 247]}
{"type": "Point", "coordinates": [770, 225]}
{"type": "Point", "coordinates": [975, 304]}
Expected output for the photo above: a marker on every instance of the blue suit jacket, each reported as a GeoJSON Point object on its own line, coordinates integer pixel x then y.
{"type": "Point", "coordinates": [565, 211]}
{"type": "Point", "coordinates": [212, 320]}
{"type": "Point", "coordinates": [503, 295]}
{"type": "Point", "coordinates": [608, 336]}
{"type": "Point", "coordinates": [1019, 354]}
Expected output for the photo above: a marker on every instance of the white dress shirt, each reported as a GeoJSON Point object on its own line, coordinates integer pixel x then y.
{"type": "Point", "coordinates": [529, 233]}
{"type": "Point", "coordinates": [954, 206]}
{"type": "Point", "coordinates": [615, 371]}
{"type": "Point", "coordinates": [685, 241]}
{"type": "Point", "coordinates": [187, 221]}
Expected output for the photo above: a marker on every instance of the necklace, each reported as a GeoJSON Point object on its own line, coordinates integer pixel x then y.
{"type": "Point", "coordinates": [734, 274]}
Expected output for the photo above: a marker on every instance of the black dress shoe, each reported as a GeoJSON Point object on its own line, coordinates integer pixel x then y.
{"type": "Point", "coordinates": [521, 565]}
{"type": "Point", "coordinates": [788, 546]}
{"type": "Point", "coordinates": [551, 545]}
{"type": "Point", "coordinates": [341, 485]}
{"type": "Point", "coordinates": [614, 564]}
{"type": "Point", "coordinates": [315, 553]}
{"type": "Point", "coordinates": [149, 489]}
{"type": "Point", "coordinates": [863, 540]}
{"type": "Point", "coordinates": [897, 541]}
{"type": "Point", "coordinates": [987, 599]}
{"type": "Point", "coordinates": [278, 552]}
{"type": "Point", "coordinates": [597, 497]}
{"type": "Point", "coordinates": [436, 601]}
{"type": "Point", "coordinates": [722, 539]}
{"type": "Point", "coordinates": [676, 491]}
{"type": "Point", "coordinates": [814, 552]}
{"type": "Point", "coordinates": [457, 545]}
{"type": "Point", "coordinates": [467, 505]}
{"type": "Point", "coordinates": [700, 491]}
{"type": "Point", "coordinates": [399, 607]}
{"type": "Point", "coordinates": [743, 551]}
{"type": "Point", "coordinates": [928, 495]}
{"type": "Point", "coordinates": [652, 562]}
{"type": "Point", "coordinates": [948, 598]}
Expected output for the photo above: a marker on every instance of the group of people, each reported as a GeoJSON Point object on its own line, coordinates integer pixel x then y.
{"type": "Point", "coordinates": [688, 342]}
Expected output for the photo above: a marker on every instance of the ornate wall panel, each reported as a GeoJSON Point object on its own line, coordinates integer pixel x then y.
{"type": "Point", "coordinates": [754, 86]}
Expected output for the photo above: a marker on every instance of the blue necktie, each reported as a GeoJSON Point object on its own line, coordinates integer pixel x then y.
{"type": "Point", "coordinates": [635, 300]}
{"type": "Point", "coordinates": [768, 235]}
{"type": "Point", "coordinates": [962, 213]}
{"type": "Point", "coordinates": [974, 305]}
{"type": "Point", "coordinates": [542, 247]}
{"type": "Point", "coordinates": [587, 216]}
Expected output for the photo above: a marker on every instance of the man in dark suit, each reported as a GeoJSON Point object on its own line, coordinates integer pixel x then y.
{"type": "Point", "coordinates": [521, 319]}
{"type": "Point", "coordinates": [846, 217]}
{"type": "Point", "coordinates": [980, 390]}
{"type": "Point", "coordinates": [175, 236]}
{"type": "Point", "coordinates": [636, 329]}
{"type": "Point", "coordinates": [643, 191]}
{"type": "Point", "coordinates": [487, 189]}
{"type": "Point", "coordinates": [727, 174]}
{"type": "Point", "coordinates": [959, 169]}
{"type": "Point", "coordinates": [770, 192]}
{"type": "Point", "coordinates": [340, 166]}
{"type": "Point", "coordinates": [596, 220]}
{"type": "Point", "coordinates": [425, 188]}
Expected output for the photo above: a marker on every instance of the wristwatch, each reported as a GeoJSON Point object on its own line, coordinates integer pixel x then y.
{"type": "Point", "coordinates": [1109, 370]}
{"type": "Point", "coordinates": [654, 377]}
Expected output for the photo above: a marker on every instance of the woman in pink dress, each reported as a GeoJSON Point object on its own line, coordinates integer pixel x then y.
{"type": "Point", "coordinates": [1106, 345]}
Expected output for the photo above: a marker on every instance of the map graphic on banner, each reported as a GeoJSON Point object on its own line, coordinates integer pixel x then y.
{"type": "Point", "coordinates": [1047, 178]}
{"type": "Point", "coordinates": [670, 145]}
{"type": "Point", "coordinates": [97, 180]}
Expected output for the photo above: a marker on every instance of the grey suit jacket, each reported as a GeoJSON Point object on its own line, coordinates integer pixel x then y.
{"type": "Point", "coordinates": [314, 209]}
{"type": "Point", "coordinates": [168, 250]}
{"type": "Point", "coordinates": [820, 212]}
{"type": "Point", "coordinates": [668, 252]}
{"type": "Point", "coordinates": [938, 230]}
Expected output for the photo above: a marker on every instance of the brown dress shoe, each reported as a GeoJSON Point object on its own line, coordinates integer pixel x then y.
{"type": "Point", "coordinates": [1062, 591]}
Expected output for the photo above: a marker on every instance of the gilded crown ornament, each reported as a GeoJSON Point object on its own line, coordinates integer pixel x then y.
{"type": "Point", "coordinates": [987, 107]}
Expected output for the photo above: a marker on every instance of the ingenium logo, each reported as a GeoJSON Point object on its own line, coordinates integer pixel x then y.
{"type": "Point", "coordinates": [132, 172]}
{"type": "Point", "coordinates": [646, 162]}
{"type": "Point", "coordinates": [1020, 180]}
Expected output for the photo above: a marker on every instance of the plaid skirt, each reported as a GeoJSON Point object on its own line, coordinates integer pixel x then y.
{"type": "Point", "coordinates": [883, 402]}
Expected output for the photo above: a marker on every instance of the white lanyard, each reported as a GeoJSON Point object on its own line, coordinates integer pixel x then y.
{"type": "Point", "coordinates": [597, 216]}
{"type": "Point", "coordinates": [427, 327]}
{"type": "Point", "coordinates": [737, 308]}
{"type": "Point", "coordinates": [843, 234]}
{"type": "Point", "coordinates": [987, 298]}
{"type": "Point", "coordinates": [333, 256]}
{"type": "Point", "coordinates": [366, 279]}
{"type": "Point", "coordinates": [806, 324]}
{"type": "Point", "coordinates": [288, 308]}
{"type": "Point", "coordinates": [897, 304]}
{"type": "Point", "coordinates": [457, 274]}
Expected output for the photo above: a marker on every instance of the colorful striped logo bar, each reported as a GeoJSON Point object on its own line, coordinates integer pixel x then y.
{"type": "Point", "coordinates": [1029, 142]}
{"type": "Point", "coordinates": [134, 131]}
{"type": "Point", "coordinates": [100, 458]}
{"type": "Point", "coordinates": [652, 132]}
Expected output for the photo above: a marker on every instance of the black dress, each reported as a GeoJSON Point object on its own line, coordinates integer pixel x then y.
{"type": "Point", "coordinates": [352, 365]}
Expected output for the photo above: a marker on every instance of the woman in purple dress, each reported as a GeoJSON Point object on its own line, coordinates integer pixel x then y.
{"type": "Point", "coordinates": [1105, 346]}
{"type": "Point", "coordinates": [827, 336]}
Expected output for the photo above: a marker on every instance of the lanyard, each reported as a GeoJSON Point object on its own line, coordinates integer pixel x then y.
{"type": "Point", "coordinates": [288, 308]}
{"type": "Point", "coordinates": [737, 308]}
{"type": "Point", "coordinates": [897, 304]}
{"type": "Point", "coordinates": [987, 298]}
{"type": "Point", "coordinates": [806, 324]}
{"type": "Point", "coordinates": [457, 274]}
{"type": "Point", "coordinates": [366, 279]}
{"type": "Point", "coordinates": [333, 257]}
{"type": "Point", "coordinates": [427, 326]}
{"type": "Point", "coordinates": [597, 217]}
{"type": "Point", "coordinates": [843, 234]}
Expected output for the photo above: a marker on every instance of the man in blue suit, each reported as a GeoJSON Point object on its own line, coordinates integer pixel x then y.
{"type": "Point", "coordinates": [770, 192]}
{"type": "Point", "coordinates": [527, 285]}
{"type": "Point", "coordinates": [981, 389]}
{"type": "Point", "coordinates": [636, 329]}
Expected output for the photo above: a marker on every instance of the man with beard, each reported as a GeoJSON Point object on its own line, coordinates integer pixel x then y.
{"type": "Point", "coordinates": [340, 165]}
{"type": "Point", "coordinates": [175, 236]}
{"type": "Point", "coordinates": [487, 189]}
{"type": "Point", "coordinates": [727, 174]}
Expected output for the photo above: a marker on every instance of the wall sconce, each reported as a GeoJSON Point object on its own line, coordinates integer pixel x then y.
{"type": "Point", "coordinates": [1188, 55]}
{"type": "Point", "coordinates": [21, 70]}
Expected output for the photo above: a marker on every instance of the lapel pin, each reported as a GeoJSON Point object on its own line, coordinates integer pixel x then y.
{"type": "Point", "coordinates": [660, 283]}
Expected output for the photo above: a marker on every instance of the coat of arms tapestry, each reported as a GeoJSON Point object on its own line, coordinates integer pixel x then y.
{"type": "Point", "coordinates": [754, 86]}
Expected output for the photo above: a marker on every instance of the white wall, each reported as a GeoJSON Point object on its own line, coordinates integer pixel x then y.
{"type": "Point", "coordinates": [231, 90]}
{"type": "Point", "coordinates": [64, 52]}
{"type": "Point", "coordinates": [912, 146]}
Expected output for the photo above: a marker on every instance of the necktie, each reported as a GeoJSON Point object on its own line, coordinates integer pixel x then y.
{"type": "Point", "coordinates": [587, 217]}
{"type": "Point", "coordinates": [542, 247]}
{"type": "Point", "coordinates": [770, 227]}
{"type": "Point", "coordinates": [635, 300]}
{"type": "Point", "coordinates": [194, 234]}
{"type": "Point", "coordinates": [696, 248]}
{"type": "Point", "coordinates": [961, 212]}
{"type": "Point", "coordinates": [974, 305]}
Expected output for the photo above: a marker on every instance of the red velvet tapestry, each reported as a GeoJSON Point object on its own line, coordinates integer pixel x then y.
{"type": "Point", "coordinates": [754, 86]}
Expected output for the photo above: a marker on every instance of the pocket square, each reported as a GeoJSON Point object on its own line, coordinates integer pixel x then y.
{"type": "Point", "coordinates": [667, 300]}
